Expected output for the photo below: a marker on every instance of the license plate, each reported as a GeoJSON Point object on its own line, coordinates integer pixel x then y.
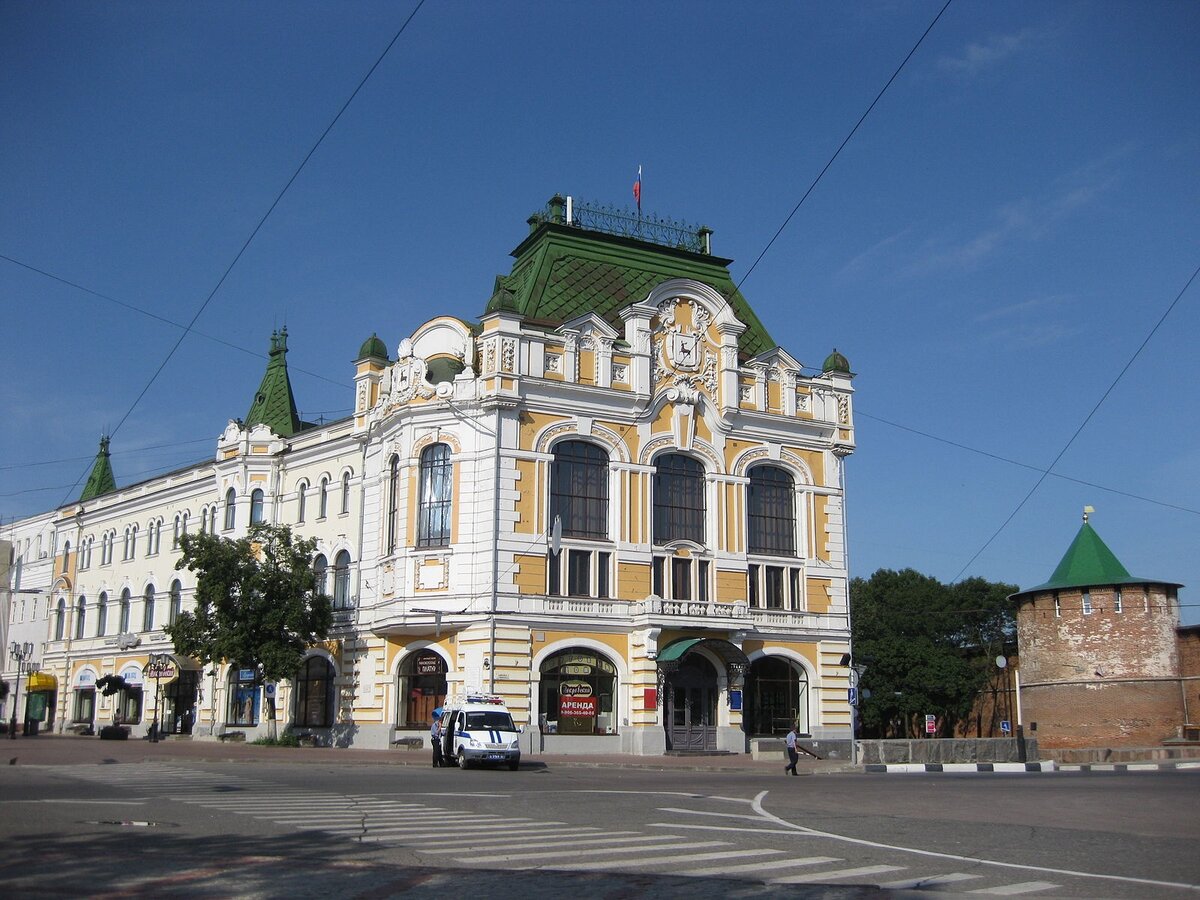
{"type": "Point", "coordinates": [495, 756]}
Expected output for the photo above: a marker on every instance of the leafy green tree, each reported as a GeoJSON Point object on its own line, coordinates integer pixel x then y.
{"type": "Point", "coordinates": [927, 647]}
{"type": "Point", "coordinates": [257, 603]}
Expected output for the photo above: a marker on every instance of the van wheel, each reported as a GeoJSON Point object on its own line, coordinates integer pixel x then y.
{"type": "Point", "coordinates": [462, 760]}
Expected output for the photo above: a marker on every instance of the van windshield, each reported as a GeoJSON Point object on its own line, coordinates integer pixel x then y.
{"type": "Point", "coordinates": [490, 721]}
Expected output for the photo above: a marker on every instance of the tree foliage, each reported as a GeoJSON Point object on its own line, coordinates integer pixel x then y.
{"type": "Point", "coordinates": [928, 647]}
{"type": "Point", "coordinates": [257, 602]}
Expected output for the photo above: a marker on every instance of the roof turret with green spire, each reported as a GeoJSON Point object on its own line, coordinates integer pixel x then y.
{"type": "Point", "coordinates": [100, 479]}
{"type": "Point", "coordinates": [1089, 563]}
{"type": "Point", "coordinates": [274, 405]}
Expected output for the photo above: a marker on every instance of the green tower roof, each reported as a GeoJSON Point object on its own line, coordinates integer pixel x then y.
{"type": "Point", "coordinates": [835, 362]}
{"type": "Point", "coordinates": [274, 405]}
{"type": "Point", "coordinates": [100, 479]}
{"type": "Point", "coordinates": [565, 270]}
{"type": "Point", "coordinates": [1088, 562]}
{"type": "Point", "coordinates": [373, 348]}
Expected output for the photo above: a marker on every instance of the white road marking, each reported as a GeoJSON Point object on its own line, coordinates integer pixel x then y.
{"type": "Point", "coordinates": [87, 802]}
{"type": "Point", "coordinates": [762, 866]}
{"type": "Point", "coordinates": [722, 828]}
{"type": "Point", "coordinates": [928, 881]}
{"type": "Point", "coordinates": [1010, 890]}
{"type": "Point", "coordinates": [811, 877]}
{"type": "Point", "coordinates": [673, 861]}
{"type": "Point", "coordinates": [561, 851]}
{"type": "Point", "coordinates": [579, 841]}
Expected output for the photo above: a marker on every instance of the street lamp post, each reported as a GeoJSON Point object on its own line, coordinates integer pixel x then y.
{"type": "Point", "coordinates": [22, 653]}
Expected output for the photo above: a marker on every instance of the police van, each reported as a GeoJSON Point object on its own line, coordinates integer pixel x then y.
{"type": "Point", "coordinates": [480, 730]}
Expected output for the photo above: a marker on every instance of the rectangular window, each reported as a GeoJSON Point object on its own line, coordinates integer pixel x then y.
{"type": "Point", "coordinates": [554, 574]}
{"type": "Point", "coordinates": [752, 585]}
{"type": "Point", "coordinates": [1057, 606]}
{"type": "Point", "coordinates": [1087, 603]}
{"type": "Point", "coordinates": [603, 561]}
{"type": "Point", "coordinates": [681, 579]}
{"type": "Point", "coordinates": [773, 594]}
{"type": "Point", "coordinates": [774, 587]}
{"type": "Point", "coordinates": [797, 597]}
{"type": "Point", "coordinates": [579, 566]}
{"type": "Point", "coordinates": [702, 591]}
{"type": "Point", "coordinates": [1118, 606]}
{"type": "Point", "coordinates": [656, 576]}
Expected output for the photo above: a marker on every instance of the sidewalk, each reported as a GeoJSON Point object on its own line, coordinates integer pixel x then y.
{"type": "Point", "coordinates": [71, 750]}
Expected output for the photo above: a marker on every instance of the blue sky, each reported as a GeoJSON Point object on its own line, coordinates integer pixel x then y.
{"type": "Point", "coordinates": [989, 251]}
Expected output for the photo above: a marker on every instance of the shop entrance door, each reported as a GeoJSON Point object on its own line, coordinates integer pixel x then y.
{"type": "Point", "coordinates": [179, 702]}
{"type": "Point", "coordinates": [692, 706]}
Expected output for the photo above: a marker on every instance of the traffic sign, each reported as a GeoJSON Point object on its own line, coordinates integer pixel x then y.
{"type": "Point", "coordinates": [1006, 727]}
{"type": "Point", "coordinates": [852, 696]}
{"type": "Point", "coordinates": [931, 724]}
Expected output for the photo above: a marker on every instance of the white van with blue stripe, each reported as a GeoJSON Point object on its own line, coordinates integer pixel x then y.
{"type": "Point", "coordinates": [480, 731]}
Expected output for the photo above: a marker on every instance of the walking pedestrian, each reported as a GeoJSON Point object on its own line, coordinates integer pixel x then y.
{"type": "Point", "coordinates": [435, 735]}
{"type": "Point", "coordinates": [793, 756]}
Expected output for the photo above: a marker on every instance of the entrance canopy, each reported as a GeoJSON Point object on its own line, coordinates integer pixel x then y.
{"type": "Point", "coordinates": [42, 681]}
{"type": "Point", "coordinates": [736, 662]}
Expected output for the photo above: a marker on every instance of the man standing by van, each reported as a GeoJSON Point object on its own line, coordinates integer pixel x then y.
{"type": "Point", "coordinates": [435, 734]}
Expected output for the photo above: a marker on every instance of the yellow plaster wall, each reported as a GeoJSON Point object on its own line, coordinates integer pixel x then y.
{"type": "Point", "coordinates": [587, 366]}
{"type": "Point", "coordinates": [532, 425]}
{"type": "Point", "coordinates": [731, 586]}
{"type": "Point", "coordinates": [662, 422]}
{"type": "Point", "coordinates": [530, 574]}
{"type": "Point", "coordinates": [618, 643]}
{"type": "Point", "coordinates": [633, 581]}
{"type": "Point", "coordinates": [817, 591]}
{"type": "Point", "coordinates": [529, 498]}
{"type": "Point", "coordinates": [774, 396]}
{"type": "Point", "coordinates": [821, 527]}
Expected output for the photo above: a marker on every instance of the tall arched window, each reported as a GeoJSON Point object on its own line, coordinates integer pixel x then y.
{"type": "Point", "coordinates": [771, 511]}
{"type": "Point", "coordinates": [148, 609]}
{"type": "Point", "coordinates": [125, 601]}
{"type": "Point", "coordinates": [320, 570]}
{"type": "Point", "coordinates": [393, 519]}
{"type": "Point", "coordinates": [102, 614]}
{"type": "Point", "coordinates": [176, 603]}
{"type": "Point", "coordinates": [579, 489]}
{"type": "Point", "coordinates": [314, 693]}
{"type": "Point", "coordinates": [578, 693]}
{"type": "Point", "coordinates": [80, 616]}
{"type": "Point", "coordinates": [60, 621]}
{"type": "Point", "coordinates": [341, 580]}
{"type": "Point", "coordinates": [323, 499]}
{"type": "Point", "coordinates": [66, 555]}
{"type": "Point", "coordinates": [345, 492]}
{"type": "Point", "coordinates": [175, 533]}
{"type": "Point", "coordinates": [433, 513]}
{"type": "Point", "coordinates": [301, 500]}
{"type": "Point", "coordinates": [244, 696]}
{"type": "Point", "coordinates": [678, 499]}
{"type": "Point", "coordinates": [230, 508]}
{"type": "Point", "coordinates": [256, 507]}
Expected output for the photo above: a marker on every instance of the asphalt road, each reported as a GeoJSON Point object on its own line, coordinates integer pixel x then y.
{"type": "Point", "coordinates": [267, 829]}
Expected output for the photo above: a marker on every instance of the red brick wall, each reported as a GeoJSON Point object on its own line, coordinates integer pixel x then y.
{"type": "Point", "coordinates": [1189, 651]}
{"type": "Point", "coordinates": [1121, 714]}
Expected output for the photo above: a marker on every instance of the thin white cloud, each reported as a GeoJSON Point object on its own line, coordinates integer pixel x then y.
{"type": "Point", "coordinates": [975, 57]}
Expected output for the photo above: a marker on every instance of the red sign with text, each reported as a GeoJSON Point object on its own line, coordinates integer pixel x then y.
{"type": "Point", "coordinates": [577, 707]}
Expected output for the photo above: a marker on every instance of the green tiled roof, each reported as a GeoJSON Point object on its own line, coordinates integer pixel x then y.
{"type": "Point", "coordinates": [563, 271]}
{"type": "Point", "coordinates": [1088, 562]}
{"type": "Point", "coordinates": [100, 480]}
{"type": "Point", "coordinates": [274, 405]}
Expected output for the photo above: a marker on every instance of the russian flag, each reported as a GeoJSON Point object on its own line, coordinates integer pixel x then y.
{"type": "Point", "coordinates": [637, 189]}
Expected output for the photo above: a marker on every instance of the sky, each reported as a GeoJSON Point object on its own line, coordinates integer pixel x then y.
{"type": "Point", "coordinates": [990, 250]}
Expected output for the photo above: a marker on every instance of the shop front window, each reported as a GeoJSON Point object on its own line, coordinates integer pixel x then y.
{"type": "Point", "coordinates": [578, 690]}
{"type": "Point", "coordinates": [314, 693]}
{"type": "Point", "coordinates": [243, 697]}
{"type": "Point", "coordinates": [422, 689]}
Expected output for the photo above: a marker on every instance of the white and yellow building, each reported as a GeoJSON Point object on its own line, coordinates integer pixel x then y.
{"type": "Point", "coordinates": [613, 501]}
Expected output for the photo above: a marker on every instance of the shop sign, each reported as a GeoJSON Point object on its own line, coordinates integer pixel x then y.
{"type": "Point", "coordinates": [576, 670]}
{"type": "Point", "coordinates": [131, 675]}
{"type": "Point", "coordinates": [574, 689]}
{"type": "Point", "coordinates": [428, 665]}
{"type": "Point", "coordinates": [162, 667]}
{"type": "Point", "coordinates": [85, 679]}
{"type": "Point", "coordinates": [578, 707]}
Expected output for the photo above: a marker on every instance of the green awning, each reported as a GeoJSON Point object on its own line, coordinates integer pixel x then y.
{"type": "Point", "coordinates": [676, 649]}
{"type": "Point", "coordinates": [735, 660]}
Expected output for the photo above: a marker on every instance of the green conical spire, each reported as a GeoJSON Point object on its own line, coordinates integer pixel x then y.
{"type": "Point", "coordinates": [274, 405]}
{"type": "Point", "coordinates": [100, 480]}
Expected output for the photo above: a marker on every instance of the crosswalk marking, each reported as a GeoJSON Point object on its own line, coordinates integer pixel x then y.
{"type": "Point", "coordinates": [1024, 887]}
{"type": "Point", "coordinates": [662, 844]}
{"type": "Point", "coordinates": [794, 863]}
{"type": "Point", "coordinates": [584, 835]}
{"type": "Point", "coordinates": [835, 874]}
{"type": "Point", "coordinates": [674, 860]}
{"type": "Point", "coordinates": [928, 881]}
{"type": "Point", "coordinates": [576, 843]}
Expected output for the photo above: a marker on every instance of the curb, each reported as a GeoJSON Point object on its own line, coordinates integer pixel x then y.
{"type": "Point", "coordinates": [1129, 767]}
{"type": "Point", "coordinates": [921, 768]}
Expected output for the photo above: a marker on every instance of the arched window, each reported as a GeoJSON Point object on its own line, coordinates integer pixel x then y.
{"type": "Point", "coordinates": [176, 602]}
{"type": "Point", "coordinates": [341, 581]}
{"type": "Point", "coordinates": [301, 500]}
{"type": "Point", "coordinates": [256, 507]}
{"type": "Point", "coordinates": [175, 533]}
{"type": "Point", "coordinates": [60, 621]}
{"type": "Point", "coordinates": [148, 609]}
{"type": "Point", "coordinates": [771, 511]}
{"type": "Point", "coordinates": [323, 499]}
{"type": "Point", "coordinates": [421, 688]}
{"type": "Point", "coordinates": [80, 616]}
{"type": "Point", "coordinates": [578, 693]}
{"type": "Point", "coordinates": [243, 696]}
{"type": "Point", "coordinates": [320, 567]}
{"type": "Point", "coordinates": [66, 557]}
{"type": "Point", "coordinates": [204, 520]}
{"type": "Point", "coordinates": [230, 508]}
{"type": "Point", "coordinates": [678, 499]}
{"type": "Point", "coordinates": [102, 614]}
{"type": "Point", "coordinates": [125, 601]}
{"type": "Point", "coordinates": [433, 513]}
{"type": "Point", "coordinates": [345, 493]}
{"type": "Point", "coordinates": [314, 693]}
{"type": "Point", "coordinates": [393, 519]}
{"type": "Point", "coordinates": [579, 489]}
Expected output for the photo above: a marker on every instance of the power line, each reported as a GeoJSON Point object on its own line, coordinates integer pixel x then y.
{"type": "Point", "coordinates": [1015, 462]}
{"type": "Point", "coordinates": [1046, 473]}
{"type": "Point", "coordinates": [842, 145]}
{"type": "Point", "coordinates": [152, 315]}
{"type": "Point", "coordinates": [254, 233]}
